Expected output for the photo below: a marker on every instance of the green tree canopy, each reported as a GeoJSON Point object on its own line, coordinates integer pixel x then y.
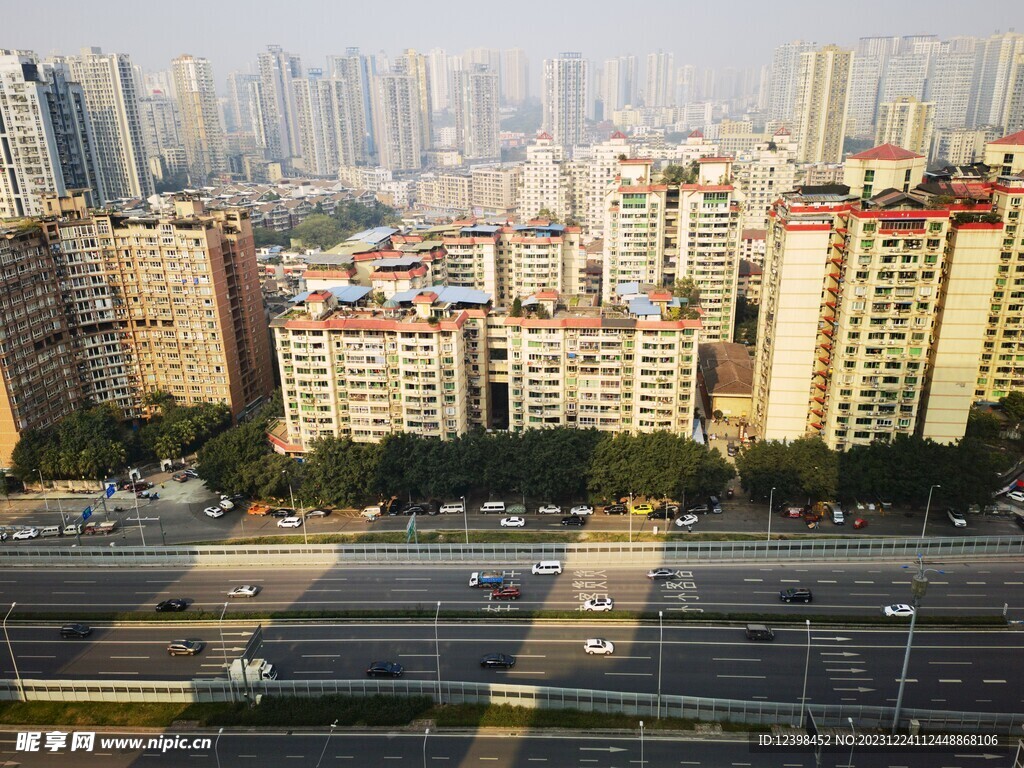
{"type": "Point", "coordinates": [318, 231]}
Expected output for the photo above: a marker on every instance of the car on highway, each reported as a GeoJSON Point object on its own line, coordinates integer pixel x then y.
{"type": "Point", "coordinates": [172, 605]}
{"type": "Point", "coordinates": [660, 574]}
{"type": "Point", "coordinates": [282, 512]}
{"type": "Point", "coordinates": [1016, 496]}
{"type": "Point", "coordinates": [26, 533]}
{"type": "Point", "coordinates": [596, 645]}
{"type": "Point", "coordinates": [385, 669]}
{"type": "Point", "coordinates": [185, 647]}
{"type": "Point", "coordinates": [575, 520]}
{"type": "Point", "coordinates": [318, 513]}
{"type": "Point", "coordinates": [245, 590]}
{"type": "Point", "coordinates": [214, 512]}
{"type": "Point", "coordinates": [900, 610]}
{"type": "Point", "coordinates": [513, 522]}
{"type": "Point", "coordinates": [549, 509]}
{"type": "Point", "coordinates": [582, 509]}
{"type": "Point", "coordinates": [598, 604]}
{"type": "Point", "coordinates": [687, 521]}
{"type": "Point", "coordinates": [75, 630]}
{"type": "Point", "coordinates": [796, 594]}
{"type": "Point", "coordinates": [505, 593]}
{"type": "Point", "coordinates": [495, 660]}
{"type": "Point", "coordinates": [289, 522]}
{"type": "Point", "coordinates": [615, 509]}
{"type": "Point", "coordinates": [956, 518]}
{"type": "Point", "coordinates": [642, 509]}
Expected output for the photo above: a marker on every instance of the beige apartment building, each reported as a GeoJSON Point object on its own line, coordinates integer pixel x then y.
{"type": "Point", "coordinates": [494, 190]}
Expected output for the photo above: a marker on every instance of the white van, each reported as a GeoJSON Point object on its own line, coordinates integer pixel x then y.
{"type": "Point", "coordinates": [547, 566]}
{"type": "Point", "coordinates": [493, 506]}
{"type": "Point", "coordinates": [837, 515]}
{"type": "Point", "coordinates": [451, 509]}
{"type": "Point", "coordinates": [370, 513]}
{"type": "Point", "coordinates": [72, 530]}
{"type": "Point", "coordinates": [50, 530]}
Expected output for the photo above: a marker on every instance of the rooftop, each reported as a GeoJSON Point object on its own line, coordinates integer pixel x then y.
{"type": "Point", "coordinates": [885, 152]}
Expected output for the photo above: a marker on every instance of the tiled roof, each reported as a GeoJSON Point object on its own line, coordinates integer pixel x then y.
{"type": "Point", "coordinates": [1016, 139]}
{"type": "Point", "coordinates": [885, 152]}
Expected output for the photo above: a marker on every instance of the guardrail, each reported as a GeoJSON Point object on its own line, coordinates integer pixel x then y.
{"type": "Point", "coordinates": [760, 713]}
{"type": "Point", "coordinates": [607, 553]}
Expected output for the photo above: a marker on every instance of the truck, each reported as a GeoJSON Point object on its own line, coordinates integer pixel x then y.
{"type": "Point", "coordinates": [260, 509]}
{"type": "Point", "coordinates": [255, 670]}
{"type": "Point", "coordinates": [488, 579]}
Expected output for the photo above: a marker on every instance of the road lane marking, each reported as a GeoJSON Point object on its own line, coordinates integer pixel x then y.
{"type": "Point", "coordinates": [951, 680]}
{"type": "Point", "coordinates": [631, 674]}
{"type": "Point", "coordinates": [518, 672]}
{"type": "Point", "coordinates": [863, 582]}
{"type": "Point", "coordinates": [975, 583]}
{"type": "Point", "coordinates": [790, 581]}
{"type": "Point", "coordinates": [827, 581]}
{"type": "Point", "coordinates": [75, 581]}
{"type": "Point", "coordinates": [720, 658]}
{"type": "Point", "coordinates": [111, 673]}
{"type": "Point", "coordinates": [129, 657]}
{"type": "Point", "coordinates": [994, 682]}
{"type": "Point", "coordinates": [950, 663]}
{"type": "Point", "coordinates": [744, 677]}
{"type": "Point", "coordinates": [1014, 583]}
{"type": "Point", "coordinates": [754, 580]}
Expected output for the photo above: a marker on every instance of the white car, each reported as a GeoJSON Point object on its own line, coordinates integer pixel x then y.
{"type": "Point", "coordinates": [289, 522]}
{"type": "Point", "coordinates": [214, 512]}
{"type": "Point", "coordinates": [245, 590]}
{"type": "Point", "coordinates": [513, 522]}
{"type": "Point", "coordinates": [956, 518]}
{"type": "Point", "coordinates": [26, 533]}
{"type": "Point", "coordinates": [1016, 496]}
{"type": "Point", "coordinates": [582, 509]}
{"type": "Point", "coordinates": [687, 521]}
{"type": "Point", "coordinates": [598, 604]}
{"type": "Point", "coordinates": [226, 503]}
{"type": "Point", "coordinates": [900, 610]}
{"type": "Point", "coordinates": [599, 646]}
{"type": "Point", "coordinates": [549, 509]}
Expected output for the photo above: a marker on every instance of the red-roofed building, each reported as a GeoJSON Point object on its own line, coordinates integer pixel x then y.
{"type": "Point", "coordinates": [1005, 156]}
{"type": "Point", "coordinates": [881, 168]}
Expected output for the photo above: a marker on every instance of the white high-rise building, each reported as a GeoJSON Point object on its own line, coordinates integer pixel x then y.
{"type": "Point", "coordinates": [415, 65]}
{"type": "Point", "coordinates": [565, 99]}
{"type": "Point", "coordinates": [545, 180]}
{"type": "Point", "coordinates": [784, 76]}
{"type": "Point", "coordinates": [907, 123]}
{"type": "Point", "coordinates": [993, 68]}
{"type": "Point", "coordinates": [659, 87]}
{"type": "Point", "coordinates": [45, 133]}
{"type": "Point", "coordinates": [515, 77]}
{"type": "Point", "coordinates": [762, 175]}
{"type": "Point", "coordinates": [160, 122]}
{"type": "Point", "coordinates": [905, 75]}
{"type": "Point", "coordinates": [315, 125]}
{"type": "Point", "coordinates": [277, 103]}
{"type": "Point", "coordinates": [440, 79]}
{"type": "Point", "coordinates": [242, 92]}
{"type": "Point", "coordinates": [949, 84]}
{"type": "Point", "coordinates": [475, 92]}
{"type": "Point", "coordinates": [200, 118]}
{"type": "Point", "coordinates": [353, 73]}
{"type": "Point", "coordinates": [820, 114]}
{"type": "Point", "coordinates": [396, 120]}
{"type": "Point", "coordinates": [618, 84]}
{"type": "Point", "coordinates": [1013, 112]}
{"type": "Point", "coordinates": [112, 101]}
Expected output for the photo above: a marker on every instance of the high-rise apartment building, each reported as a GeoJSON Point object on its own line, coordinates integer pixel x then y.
{"type": "Point", "coordinates": [784, 77]}
{"type": "Point", "coordinates": [112, 101]}
{"type": "Point", "coordinates": [415, 65]}
{"type": "Point", "coordinates": [277, 102]}
{"type": "Point", "coordinates": [545, 180]}
{"type": "Point", "coordinates": [618, 84]}
{"type": "Point", "coordinates": [353, 73]}
{"type": "Point", "coordinates": [994, 62]}
{"type": "Point", "coordinates": [949, 83]}
{"type": "Point", "coordinates": [46, 135]}
{"type": "Point", "coordinates": [475, 96]}
{"type": "Point", "coordinates": [160, 122]}
{"type": "Point", "coordinates": [438, 62]}
{"type": "Point", "coordinates": [659, 85]}
{"type": "Point", "coordinates": [515, 77]}
{"type": "Point", "coordinates": [315, 123]}
{"type": "Point", "coordinates": [820, 111]}
{"type": "Point", "coordinates": [762, 175]}
{"type": "Point", "coordinates": [907, 123]}
{"type": "Point", "coordinates": [565, 99]}
{"type": "Point", "coordinates": [200, 118]}
{"type": "Point", "coordinates": [495, 189]}
{"type": "Point", "coordinates": [1013, 112]}
{"type": "Point", "coordinates": [635, 230]}
{"type": "Point", "coordinates": [960, 146]}
{"type": "Point", "coordinates": [396, 120]}
{"type": "Point", "coordinates": [243, 109]}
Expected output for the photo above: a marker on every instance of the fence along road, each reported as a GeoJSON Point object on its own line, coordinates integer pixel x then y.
{"type": "Point", "coordinates": [607, 553]}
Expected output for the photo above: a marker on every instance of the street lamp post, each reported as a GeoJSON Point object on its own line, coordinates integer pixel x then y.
{"type": "Point", "coordinates": [641, 744]}
{"type": "Point", "coordinates": [918, 587]}
{"type": "Point", "coordinates": [928, 507]}
{"type": "Point", "coordinates": [630, 512]}
{"type": "Point", "coordinates": [425, 747]}
{"type": "Point", "coordinates": [437, 652]}
{"type": "Point", "coordinates": [224, 651]}
{"type": "Point", "coordinates": [465, 517]}
{"type": "Point", "coordinates": [661, 639]}
{"type": "Point", "coordinates": [807, 665]}
{"type": "Point", "coordinates": [327, 743]}
{"type": "Point", "coordinates": [10, 649]}
{"type": "Point", "coordinates": [216, 746]}
{"type": "Point", "coordinates": [771, 505]}
{"type": "Point", "coordinates": [42, 488]}
{"type": "Point", "coordinates": [849, 760]}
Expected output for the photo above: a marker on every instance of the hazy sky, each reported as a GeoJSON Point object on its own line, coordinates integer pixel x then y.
{"type": "Point", "coordinates": [231, 32]}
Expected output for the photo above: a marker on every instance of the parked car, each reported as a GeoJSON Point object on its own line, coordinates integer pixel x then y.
{"type": "Point", "coordinates": [493, 660]}
{"type": "Point", "coordinates": [185, 647]}
{"type": "Point", "coordinates": [26, 533]}
{"type": "Point", "coordinates": [956, 518]}
{"type": "Point", "coordinates": [282, 512]}
{"type": "Point", "coordinates": [549, 509]}
{"type": "Point", "coordinates": [1016, 496]}
{"type": "Point", "coordinates": [660, 574]}
{"type": "Point", "coordinates": [582, 509]}
{"type": "Point", "coordinates": [598, 604]}
{"type": "Point", "coordinates": [505, 593]}
{"type": "Point", "coordinates": [899, 610]}
{"type": "Point", "coordinates": [289, 522]}
{"type": "Point", "coordinates": [574, 520]}
{"type": "Point", "coordinates": [411, 508]}
{"type": "Point", "coordinates": [191, 473]}
{"type": "Point", "coordinates": [687, 521]}
{"type": "Point", "coordinates": [513, 522]}
{"type": "Point", "coordinates": [698, 509]}
{"type": "Point", "coordinates": [661, 513]}
{"type": "Point", "coordinates": [318, 513]}
{"type": "Point", "coordinates": [385, 669]}
{"type": "Point", "coordinates": [75, 630]}
{"type": "Point", "coordinates": [796, 594]}
{"type": "Point", "coordinates": [731, 449]}
{"type": "Point", "coordinates": [214, 512]}
{"type": "Point", "coordinates": [245, 590]}
{"type": "Point", "coordinates": [615, 509]}
{"type": "Point", "coordinates": [180, 477]}
{"type": "Point", "coordinates": [642, 509]}
{"type": "Point", "coordinates": [172, 605]}
{"type": "Point", "coordinates": [715, 505]}
{"type": "Point", "coordinates": [596, 645]}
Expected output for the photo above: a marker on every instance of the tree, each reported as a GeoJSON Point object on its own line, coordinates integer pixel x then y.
{"type": "Point", "coordinates": [340, 471]}
{"type": "Point", "coordinates": [517, 308]}
{"type": "Point", "coordinates": [983, 425]}
{"type": "Point", "coordinates": [319, 231]}
{"type": "Point", "coordinates": [1013, 405]}
{"type": "Point", "coordinates": [265, 238]}
{"type": "Point", "coordinates": [678, 174]}
{"type": "Point", "coordinates": [547, 213]}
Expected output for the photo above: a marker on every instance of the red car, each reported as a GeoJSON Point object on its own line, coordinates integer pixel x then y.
{"type": "Point", "coordinates": [505, 593]}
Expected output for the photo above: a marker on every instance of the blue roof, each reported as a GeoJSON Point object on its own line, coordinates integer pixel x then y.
{"type": "Point", "coordinates": [300, 298]}
{"type": "Point", "coordinates": [624, 289]}
{"type": "Point", "coordinates": [539, 227]}
{"type": "Point", "coordinates": [489, 229]}
{"type": "Point", "coordinates": [346, 294]}
{"type": "Point", "coordinates": [642, 307]}
{"type": "Point", "coordinates": [374, 235]}
{"type": "Point", "coordinates": [446, 294]}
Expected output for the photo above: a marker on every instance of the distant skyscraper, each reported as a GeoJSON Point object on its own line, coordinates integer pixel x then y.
{"type": "Point", "coordinates": [415, 65]}
{"type": "Point", "coordinates": [440, 79]}
{"type": "Point", "coordinates": [949, 83]}
{"type": "Point", "coordinates": [907, 123]}
{"type": "Point", "coordinates": [314, 125]}
{"type": "Point", "coordinates": [785, 70]}
{"type": "Point", "coordinates": [618, 85]}
{"type": "Point", "coordinates": [110, 96]}
{"type": "Point", "coordinates": [993, 67]}
{"type": "Point", "coordinates": [686, 85]}
{"type": "Point", "coordinates": [1013, 119]}
{"type": "Point", "coordinates": [659, 87]}
{"type": "Point", "coordinates": [565, 98]}
{"type": "Point", "coordinates": [396, 120]}
{"type": "Point", "coordinates": [241, 111]}
{"type": "Point", "coordinates": [277, 102]}
{"type": "Point", "coordinates": [46, 135]}
{"type": "Point", "coordinates": [200, 118]}
{"type": "Point", "coordinates": [353, 70]}
{"type": "Point", "coordinates": [820, 112]}
{"type": "Point", "coordinates": [161, 135]}
{"type": "Point", "coordinates": [475, 94]}
{"type": "Point", "coordinates": [515, 77]}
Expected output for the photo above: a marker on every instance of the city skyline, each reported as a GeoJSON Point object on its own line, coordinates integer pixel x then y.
{"type": "Point", "coordinates": [311, 31]}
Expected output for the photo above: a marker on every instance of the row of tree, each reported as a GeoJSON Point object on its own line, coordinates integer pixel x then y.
{"type": "Point", "coordinates": [904, 471]}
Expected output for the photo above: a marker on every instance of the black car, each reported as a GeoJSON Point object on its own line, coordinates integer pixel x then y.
{"type": "Point", "coordinates": [413, 509]}
{"type": "Point", "coordinates": [385, 669]}
{"type": "Point", "coordinates": [432, 507]}
{"type": "Point", "coordinates": [663, 513]}
{"type": "Point", "coordinates": [393, 507]}
{"type": "Point", "coordinates": [498, 660]}
{"type": "Point", "coordinates": [615, 509]}
{"type": "Point", "coordinates": [318, 513]}
{"type": "Point", "coordinates": [698, 509]}
{"type": "Point", "coordinates": [282, 512]}
{"type": "Point", "coordinates": [574, 520]}
{"type": "Point", "coordinates": [796, 594]}
{"type": "Point", "coordinates": [174, 604]}
{"type": "Point", "coordinates": [1019, 519]}
{"type": "Point", "coordinates": [75, 630]}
